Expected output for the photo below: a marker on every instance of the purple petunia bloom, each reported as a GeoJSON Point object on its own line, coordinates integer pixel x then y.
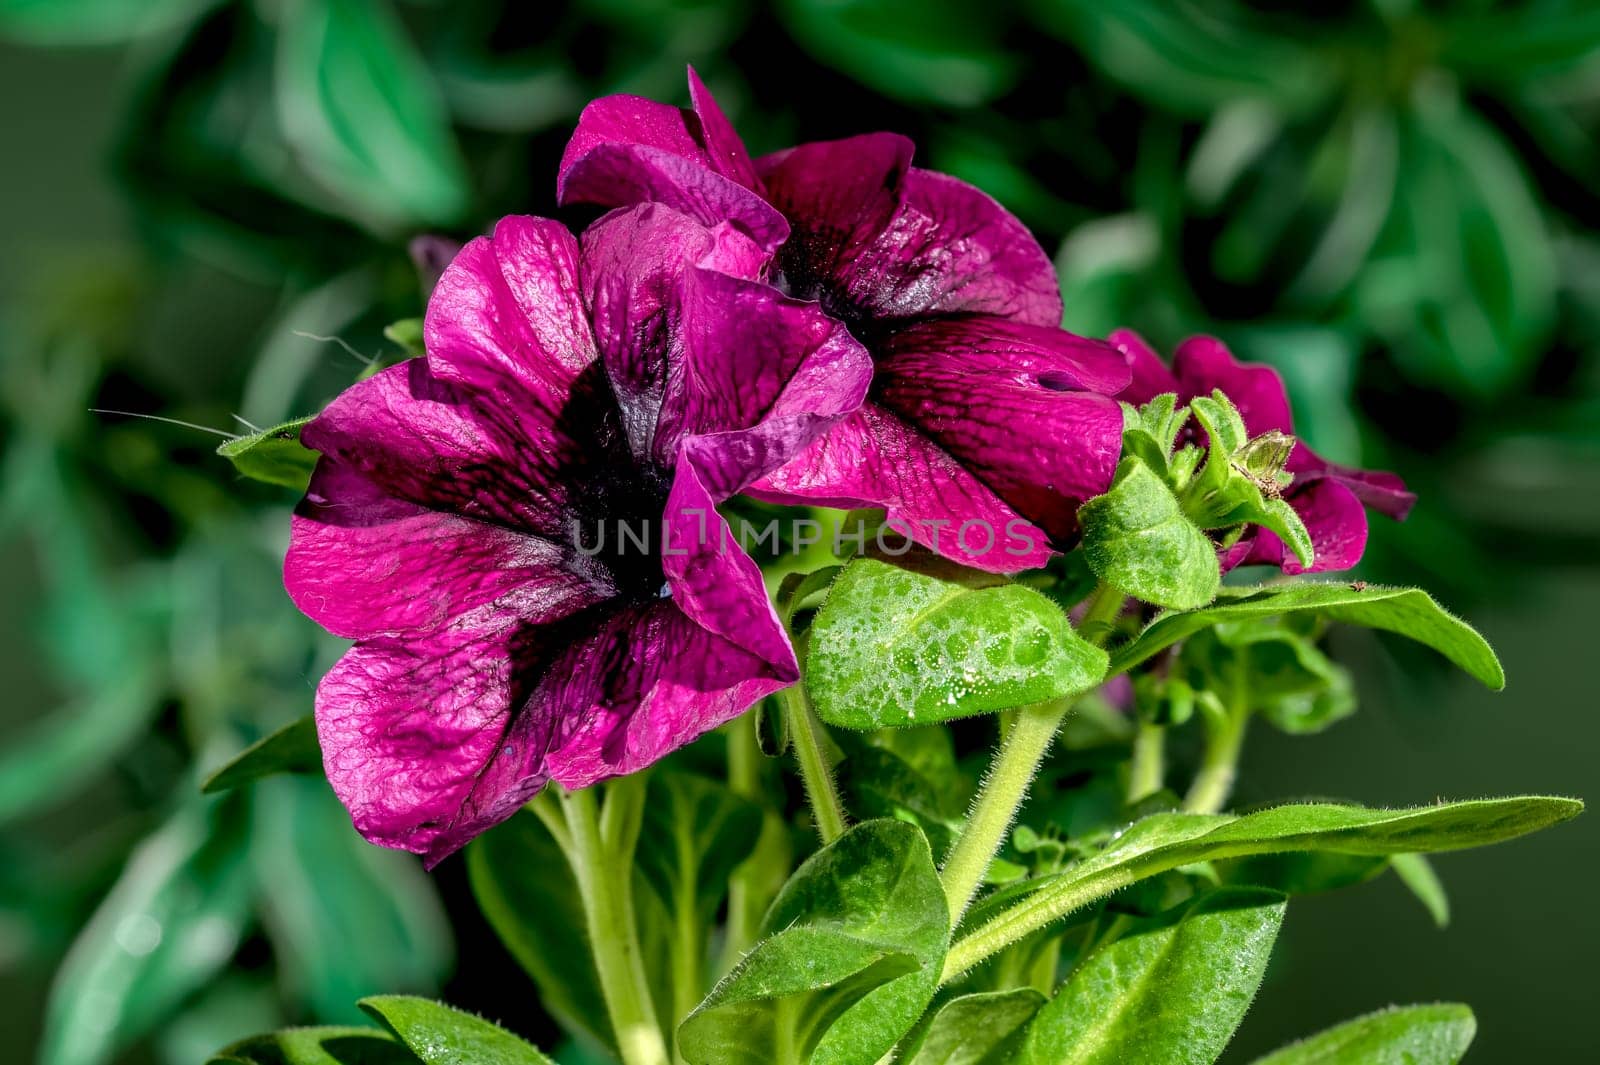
{"type": "Point", "coordinates": [448, 527]}
{"type": "Point", "coordinates": [982, 410]}
{"type": "Point", "coordinates": [1329, 498]}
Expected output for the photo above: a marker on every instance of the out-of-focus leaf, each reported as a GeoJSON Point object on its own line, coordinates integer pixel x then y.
{"type": "Point", "coordinates": [81, 22]}
{"type": "Point", "coordinates": [291, 749]}
{"type": "Point", "coordinates": [1403, 1035]}
{"type": "Point", "coordinates": [236, 1002]}
{"type": "Point", "coordinates": [1407, 611]}
{"type": "Point", "coordinates": [441, 1035]}
{"type": "Point", "coordinates": [980, 1029]}
{"type": "Point", "coordinates": [893, 648]}
{"type": "Point", "coordinates": [1191, 58]}
{"type": "Point", "coordinates": [850, 959]}
{"type": "Point", "coordinates": [273, 455]}
{"type": "Point", "coordinates": [527, 891]}
{"type": "Point", "coordinates": [938, 51]}
{"type": "Point", "coordinates": [70, 745]}
{"type": "Point", "coordinates": [1302, 872]}
{"type": "Point", "coordinates": [172, 920]}
{"type": "Point", "coordinates": [1462, 283]}
{"type": "Point", "coordinates": [364, 115]}
{"type": "Point", "coordinates": [407, 335]}
{"type": "Point", "coordinates": [1419, 877]}
{"type": "Point", "coordinates": [316, 1046]}
{"type": "Point", "coordinates": [345, 918]}
{"type": "Point", "coordinates": [1515, 44]}
{"type": "Point", "coordinates": [1173, 993]}
{"type": "Point", "coordinates": [878, 783]}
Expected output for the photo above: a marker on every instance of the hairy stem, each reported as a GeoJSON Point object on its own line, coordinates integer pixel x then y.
{"type": "Point", "coordinates": [805, 732]}
{"type": "Point", "coordinates": [602, 849]}
{"type": "Point", "coordinates": [998, 799]}
{"type": "Point", "coordinates": [1147, 771]}
{"type": "Point", "coordinates": [1219, 764]}
{"type": "Point", "coordinates": [1021, 750]}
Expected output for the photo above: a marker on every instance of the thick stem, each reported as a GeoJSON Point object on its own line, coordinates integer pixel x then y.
{"type": "Point", "coordinates": [1003, 790]}
{"type": "Point", "coordinates": [1219, 765]}
{"type": "Point", "coordinates": [1147, 771]}
{"type": "Point", "coordinates": [602, 844]}
{"type": "Point", "coordinates": [1022, 747]}
{"type": "Point", "coordinates": [805, 732]}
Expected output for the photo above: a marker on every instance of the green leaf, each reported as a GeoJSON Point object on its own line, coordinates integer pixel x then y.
{"type": "Point", "coordinates": [526, 890]}
{"type": "Point", "coordinates": [406, 334]}
{"type": "Point", "coordinates": [316, 1046]}
{"type": "Point", "coordinates": [894, 647]}
{"type": "Point", "coordinates": [364, 116]}
{"type": "Point", "coordinates": [1407, 611]}
{"type": "Point", "coordinates": [695, 832]}
{"type": "Point", "coordinates": [89, 22]}
{"type": "Point", "coordinates": [345, 918]}
{"type": "Point", "coordinates": [878, 783]}
{"type": "Point", "coordinates": [1418, 875]}
{"type": "Point", "coordinates": [1163, 842]}
{"type": "Point", "coordinates": [1137, 539]}
{"type": "Point", "coordinates": [171, 921]}
{"type": "Point", "coordinates": [291, 749]}
{"type": "Point", "coordinates": [442, 1035]}
{"type": "Point", "coordinates": [1406, 1035]}
{"type": "Point", "coordinates": [1172, 993]}
{"type": "Point", "coordinates": [273, 455]}
{"type": "Point", "coordinates": [1285, 677]}
{"type": "Point", "coordinates": [1302, 872]}
{"type": "Point", "coordinates": [979, 1029]}
{"type": "Point", "coordinates": [850, 959]}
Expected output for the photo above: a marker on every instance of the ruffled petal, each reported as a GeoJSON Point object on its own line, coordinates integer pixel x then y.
{"type": "Point", "coordinates": [413, 736]}
{"type": "Point", "coordinates": [982, 396]}
{"type": "Point", "coordinates": [1382, 491]}
{"type": "Point", "coordinates": [879, 240]}
{"type": "Point", "coordinates": [649, 681]}
{"type": "Point", "coordinates": [725, 151]}
{"type": "Point", "coordinates": [1204, 363]}
{"type": "Point", "coordinates": [508, 315]}
{"type": "Point", "coordinates": [362, 563]}
{"type": "Point", "coordinates": [873, 458]}
{"type": "Point", "coordinates": [509, 457]}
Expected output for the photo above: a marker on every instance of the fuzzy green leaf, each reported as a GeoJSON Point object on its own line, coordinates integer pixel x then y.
{"type": "Point", "coordinates": [850, 958]}
{"type": "Point", "coordinates": [1407, 611]}
{"type": "Point", "coordinates": [1408, 1035]}
{"type": "Point", "coordinates": [1137, 539]}
{"type": "Point", "coordinates": [894, 647]}
{"type": "Point", "coordinates": [291, 749]}
{"type": "Point", "coordinates": [316, 1046]}
{"type": "Point", "coordinates": [1172, 993]}
{"type": "Point", "coordinates": [1164, 842]}
{"type": "Point", "coordinates": [980, 1029]}
{"type": "Point", "coordinates": [442, 1035]}
{"type": "Point", "coordinates": [275, 455]}
{"type": "Point", "coordinates": [1419, 877]}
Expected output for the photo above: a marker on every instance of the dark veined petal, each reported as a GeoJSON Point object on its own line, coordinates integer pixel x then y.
{"type": "Point", "coordinates": [1150, 376]}
{"type": "Point", "coordinates": [873, 458]}
{"type": "Point", "coordinates": [413, 735]}
{"type": "Point", "coordinates": [1204, 363]}
{"type": "Point", "coordinates": [881, 240]}
{"type": "Point", "coordinates": [629, 150]}
{"type": "Point", "coordinates": [362, 563]}
{"type": "Point", "coordinates": [508, 315]}
{"type": "Point", "coordinates": [996, 402]}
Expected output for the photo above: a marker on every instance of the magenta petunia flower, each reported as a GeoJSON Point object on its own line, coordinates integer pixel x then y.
{"type": "Point", "coordinates": [983, 410]}
{"type": "Point", "coordinates": [1329, 498]}
{"type": "Point", "coordinates": [452, 523]}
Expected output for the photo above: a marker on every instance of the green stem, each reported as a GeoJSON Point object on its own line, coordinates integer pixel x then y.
{"type": "Point", "coordinates": [1022, 748]}
{"type": "Point", "coordinates": [1219, 764]}
{"type": "Point", "coordinates": [602, 847]}
{"type": "Point", "coordinates": [745, 895]}
{"type": "Point", "coordinates": [1147, 772]}
{"type": "Point", "coordinates": [1003, 790]}
{"type": "Point", "coordinates": [805, 732]}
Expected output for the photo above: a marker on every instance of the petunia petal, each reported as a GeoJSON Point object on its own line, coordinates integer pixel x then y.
{"type": "Point", "coordinates": [647, 682]}
{"type": "Point", "coordinates": [1336, 521]}
{"type": "Point", "coordinates": [508, 315]}
{"type": "Point", "coordinates": [1204, 363]}
{"type": "Point", "coordinates": [1149, 375]}
{"type": "Point", "coordinates": [725, 152]}
{"type": "Point", "coordinates": [873, 458]}
{"type": "Point", "coordinates": [410, 731]}
{"type": "Point", "coordinates": [362, 563]}
{"type": "Point", "coordinates": [982, 396]}
{"type": "Point", "coordinates": [1382, 491]}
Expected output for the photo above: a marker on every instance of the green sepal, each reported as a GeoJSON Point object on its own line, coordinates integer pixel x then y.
{"type": "Point", "coordinates": [291, 749]}
{"type": "Point", "coordinates": [274, 456]}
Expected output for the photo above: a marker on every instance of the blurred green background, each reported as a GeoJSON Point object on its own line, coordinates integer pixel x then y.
{"type": "Point", "coordinates": [1394, 203]}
